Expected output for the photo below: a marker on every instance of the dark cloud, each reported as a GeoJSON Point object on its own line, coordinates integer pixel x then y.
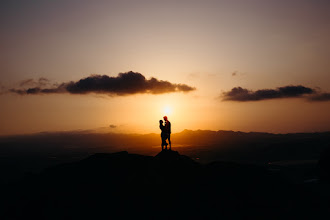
{"type": "Point", "coordinates": [234, 73]}
{"type": "Point", "coordinates": [112, 126]}
{"type": "Point", "coordinates": [242, 95]}
{"type": "Point", "coordinates": [320, 97]}
{"type": "Point", "coordinates": [124, 84]}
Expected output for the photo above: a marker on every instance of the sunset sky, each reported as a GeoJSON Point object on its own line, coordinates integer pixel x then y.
{"type": "Point", "coordinates": [243, 65]}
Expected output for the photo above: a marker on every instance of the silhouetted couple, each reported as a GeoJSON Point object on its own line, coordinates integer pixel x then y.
{"type": "Point", "coordinates": [166, 133]}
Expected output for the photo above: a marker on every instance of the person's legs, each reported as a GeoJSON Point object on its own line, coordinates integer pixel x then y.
{"type": "Point", "coordinates": [169, 141]}
{"type": "Point", "coordinates": [165, 138]}
{"type": "Point", "coordinates": [163, 142]}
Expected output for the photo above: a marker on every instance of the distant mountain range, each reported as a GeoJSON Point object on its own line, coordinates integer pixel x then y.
{"type": "Point", "coordinates": [192, 143]}
{"type": "Point", "coordinates": [22, 154]}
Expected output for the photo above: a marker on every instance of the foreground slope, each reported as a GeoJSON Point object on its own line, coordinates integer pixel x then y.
{"type": "Point", "coordinates": [167, 186]}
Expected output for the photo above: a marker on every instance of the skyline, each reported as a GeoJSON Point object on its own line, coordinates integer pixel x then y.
{"type": "Point", "coordinates": [212, 65]}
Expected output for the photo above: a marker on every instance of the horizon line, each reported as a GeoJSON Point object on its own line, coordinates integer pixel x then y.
{"type": "Point", "coordinates": [94, 131]}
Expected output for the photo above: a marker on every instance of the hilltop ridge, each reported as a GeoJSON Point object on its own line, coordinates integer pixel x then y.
{"type": "Point", "coordinates": [168, 185]}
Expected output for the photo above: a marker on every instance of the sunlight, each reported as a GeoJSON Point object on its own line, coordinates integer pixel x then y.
{"type": "Point", "coordinates": [167, 110]}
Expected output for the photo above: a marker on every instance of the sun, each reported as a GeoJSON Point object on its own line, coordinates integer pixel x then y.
{"type": "Point", "coordinates": [167, 110]}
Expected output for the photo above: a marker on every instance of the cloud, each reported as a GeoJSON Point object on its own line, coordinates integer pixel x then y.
{"type": "Point", "coordinates": [37, 90]}
{"type": "Point", "coordinates": [112, 126]}
{"type": "Point", "coordinates": [124, 84]}
{"type": "Point", "coordinates": [242, 95]}
{"type": "Point", "coordinates": [234, 73]}
{"type": "Point", "coordinates": [35, 83]}
{"type": "Point", "coordinates": [320, 97]}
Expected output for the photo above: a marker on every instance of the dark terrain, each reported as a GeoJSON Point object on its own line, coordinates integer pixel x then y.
{"type": "Point", "coordinates": [225, 174]}
{"type": "Point", "coordinates": [296, 155]}
{"type": "Point", "coordinates": [167, 186]}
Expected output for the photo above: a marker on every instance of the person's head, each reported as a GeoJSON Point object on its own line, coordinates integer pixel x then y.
{"type": "Point", "coordinates": [165, 118]}
{"type": "Point", "coordinates": [160, 121]}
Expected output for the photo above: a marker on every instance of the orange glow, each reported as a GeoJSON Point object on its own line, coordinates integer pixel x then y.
{"type": "Point", "coordinates": [213, 46]}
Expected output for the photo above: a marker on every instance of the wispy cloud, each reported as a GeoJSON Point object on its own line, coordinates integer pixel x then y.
{"type": "Point", "coordinates": [34, 83]}
{"type": "Point", "coordinates": [320, 97]}
{"type": "Point", "coordinates": [124, 84]}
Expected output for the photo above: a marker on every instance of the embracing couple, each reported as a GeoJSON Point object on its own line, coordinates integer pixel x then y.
{"type": "Point", "coordinates": [166, 133]}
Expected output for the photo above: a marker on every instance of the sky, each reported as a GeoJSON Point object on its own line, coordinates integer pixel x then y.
{"type": "Point", "coordinates": [120, 66]}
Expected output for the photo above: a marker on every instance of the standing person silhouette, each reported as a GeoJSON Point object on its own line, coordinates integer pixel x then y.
{"type": "Point", "coordinates": [168, 131]}
{"type": "Point", "coordinates": [163, 135]}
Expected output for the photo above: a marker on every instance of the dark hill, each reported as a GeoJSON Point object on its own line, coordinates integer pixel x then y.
{"type": "Point", "coordinates": [167, 186]}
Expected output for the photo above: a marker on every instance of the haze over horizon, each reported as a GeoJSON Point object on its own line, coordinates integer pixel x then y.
{"type": "Point", "coordinates": [259, 65]}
